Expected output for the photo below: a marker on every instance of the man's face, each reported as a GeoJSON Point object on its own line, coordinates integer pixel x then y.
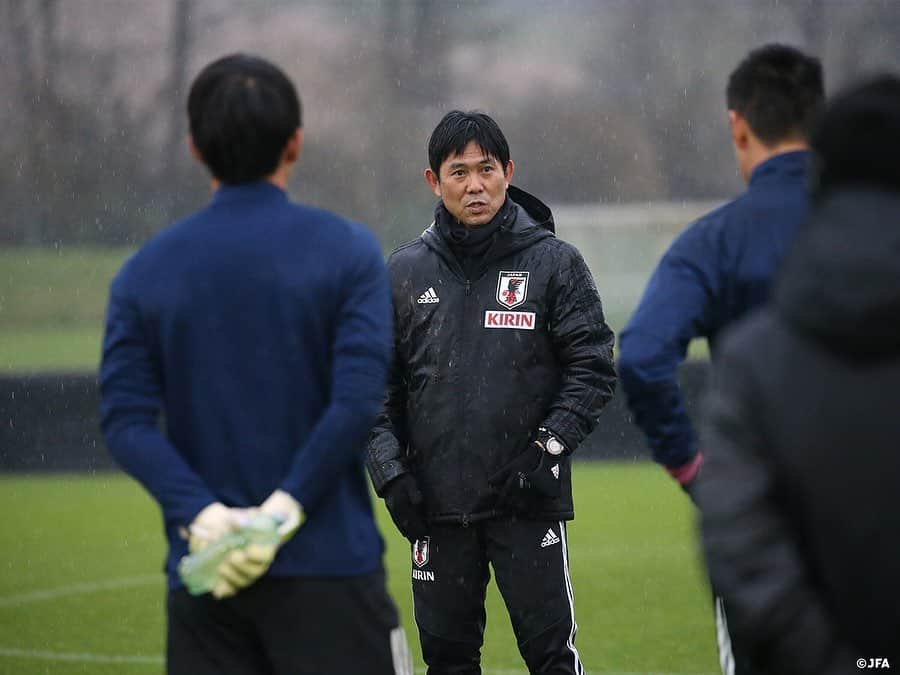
{"type": "Point", "coordinates": [472, 185]}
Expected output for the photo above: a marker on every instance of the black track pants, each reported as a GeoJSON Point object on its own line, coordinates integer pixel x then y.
{"type": "Point", "coordinates": [530, 561]}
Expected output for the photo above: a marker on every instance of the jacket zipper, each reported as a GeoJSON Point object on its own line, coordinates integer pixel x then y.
{"type": "Point", "coordinates": [462, 399]}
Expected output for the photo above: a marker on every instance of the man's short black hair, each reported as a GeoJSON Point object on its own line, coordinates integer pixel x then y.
{"type": "Point", "coordinates": [857, 139]}
{"type": "Point", "coordinates": [242, 112]}
{"type": "Point", "coordinates": [778, 90]}
{"type": "Point", "coordinates": [457, 129]}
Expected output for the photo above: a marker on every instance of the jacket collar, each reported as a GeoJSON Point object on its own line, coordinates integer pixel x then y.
{"type": "Point", "coordinates": [459, 237]}
{"type": "Point", "coordinates": [241, 192]}
{"type": "Point", "coordinates": [533, 221]}
{"type": "Point", "coordinates": [776, 169]}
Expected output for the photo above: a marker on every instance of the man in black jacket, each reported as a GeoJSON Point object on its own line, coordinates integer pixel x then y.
{"type": "Point", "coordinates": [503, 364]}
{"type": "Point", "coordinates": [799, 493]}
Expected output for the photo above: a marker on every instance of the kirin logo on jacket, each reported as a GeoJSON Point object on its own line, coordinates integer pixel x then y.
{"type": "Point", "coordinates": [421, 551]}
{"type": "Point", "coordinates": [512, 288]}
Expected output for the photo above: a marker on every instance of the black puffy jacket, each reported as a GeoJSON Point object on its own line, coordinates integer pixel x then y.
{"type": "Point", "coordinates": [482, 363]}
{"type": "Point", "coordinates": [799, 491]}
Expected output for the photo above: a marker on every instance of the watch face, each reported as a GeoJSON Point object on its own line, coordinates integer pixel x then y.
{"type": "Point", "coordinates": [554, 447]}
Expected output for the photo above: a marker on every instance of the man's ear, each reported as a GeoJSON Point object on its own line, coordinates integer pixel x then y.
{"type": "Point", "coordinates": [214, 183]}
{"type": "Point", "coordinates": [433, 182]}
{"type": "Point", "coordinates": [508, 173]}
{"type": "Point", "coordinates": [739, 129]}
{"type": "Point", "coordinates": [195, 153]}
{"type": "Point", "coordinates": [294, 146]}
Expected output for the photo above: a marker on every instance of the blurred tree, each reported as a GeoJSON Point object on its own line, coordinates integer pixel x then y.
{"type": "Point", "coordinates": [175, 154]}
{"type": "Point", "coordinates": [30, 30]}
{"type": "Point", "coordinates": [416, 89]}
{"type": "Point", "coordinates": [74, 138]}
{"type": "Point", "coordinates": [853, 54]}
{"type": "Point", "coordinates": [607, 100]}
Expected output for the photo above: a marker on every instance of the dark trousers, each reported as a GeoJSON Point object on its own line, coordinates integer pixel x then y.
{"type": "Point", "coordinates": [530, 561]}
{"type": "Point", "coordinates": [321, 626]}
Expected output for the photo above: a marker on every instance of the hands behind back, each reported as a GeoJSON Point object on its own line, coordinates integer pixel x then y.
{"type": "Point", "coordinates": [244, 566]}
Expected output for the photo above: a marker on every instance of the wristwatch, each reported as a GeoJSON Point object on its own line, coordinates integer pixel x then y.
{"type": "Point", "coordinates": [550, 443]}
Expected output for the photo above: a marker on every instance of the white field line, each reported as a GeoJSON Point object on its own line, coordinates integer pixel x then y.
{"type": "Point", "coordinates": [35, 654]}
{"type": "Point", "coordinates": [79, 589]}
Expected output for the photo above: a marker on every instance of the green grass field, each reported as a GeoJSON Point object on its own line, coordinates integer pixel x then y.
{"type": "Point", "coordinates": [81, 590]}
{"type": "Point", "coordinates": [52, 303]}
{"type": "Point", "coordinates": [51, 306]}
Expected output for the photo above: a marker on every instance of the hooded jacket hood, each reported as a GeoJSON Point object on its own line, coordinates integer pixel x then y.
{"type": "Point", "coordinates": [534, 207]}
{"type": "Point", "coordinates": [841, 282]}
{"type": "Point", "coordinates": [533, 221]}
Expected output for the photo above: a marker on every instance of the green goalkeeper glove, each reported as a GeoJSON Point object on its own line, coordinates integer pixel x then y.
{"type": "Point", "coordinates": [244, 566]}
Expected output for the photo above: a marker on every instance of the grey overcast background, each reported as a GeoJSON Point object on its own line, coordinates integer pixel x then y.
{"type": "Point", "coordinates": [604, 101]}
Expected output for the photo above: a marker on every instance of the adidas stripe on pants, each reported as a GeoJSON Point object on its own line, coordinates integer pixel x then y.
{"type": "Point", "coordinates": [733, 659]}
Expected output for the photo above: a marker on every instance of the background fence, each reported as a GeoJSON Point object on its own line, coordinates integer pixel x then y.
{"type": "Point", "coordinates": [50, 423]}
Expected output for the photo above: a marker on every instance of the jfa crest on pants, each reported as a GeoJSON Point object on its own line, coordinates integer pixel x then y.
{"type": "Point", "coordinates": [421, 551]}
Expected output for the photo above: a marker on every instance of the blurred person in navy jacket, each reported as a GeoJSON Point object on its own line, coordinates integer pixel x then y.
{"type": "Point", "coordinates": [722, 266]}
{"type": "Point", "coordinates": [261, 329]}
{"type": "Point", "coordinates": [799, 493]}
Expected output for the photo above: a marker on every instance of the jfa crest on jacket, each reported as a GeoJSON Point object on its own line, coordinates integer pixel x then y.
{"type": "Point", "coordinates": [486, 360]}
{"type": "Point", "coordinates": [512, 288]}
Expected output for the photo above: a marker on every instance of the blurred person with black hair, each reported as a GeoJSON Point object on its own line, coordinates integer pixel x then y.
{"type": "Point", "coordinates": [799, 492]}
{"type": "Point", "coordinates": [261, 329]}
{"type": "Point", "coordinates": [722, 266]}
{"type": "Point", "coordinates": [503, 364]}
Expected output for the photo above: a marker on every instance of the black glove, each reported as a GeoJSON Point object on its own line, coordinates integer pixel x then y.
{"type": "Point", "coordinates": [404, 503]}
{"type": "Point", "coordinates": [532, 475]}
{"type": "Point", "coordinates": [545, 478]}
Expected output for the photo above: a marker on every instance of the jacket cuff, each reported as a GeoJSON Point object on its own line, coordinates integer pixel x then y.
{"type": "Point", "coordinates": [384, 473]}
{"type": "Point", "coordinates": [384, 461]}
{"type": "Point", "coordinates": [686, 473]}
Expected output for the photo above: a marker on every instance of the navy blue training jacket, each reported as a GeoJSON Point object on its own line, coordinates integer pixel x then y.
{"type": "Point", "coordinates": [717, 270]}
{"type": "Point", "coordinates": [262, 330]}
